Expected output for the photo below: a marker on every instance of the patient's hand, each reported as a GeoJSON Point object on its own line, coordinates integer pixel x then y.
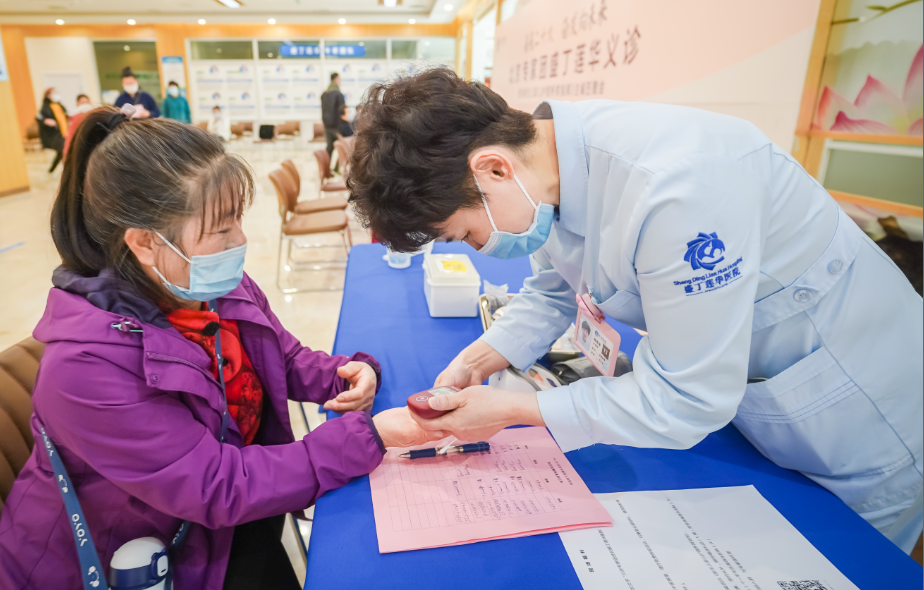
{"type": "Point", "coordinates": [361, 393]}
{"type": "Point", "coordinates": [398, 429]}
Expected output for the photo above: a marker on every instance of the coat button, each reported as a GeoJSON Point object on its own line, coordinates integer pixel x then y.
{"type": "Point", "coordinates": [835, 267]}
{"type": "Point", "coordinates": [803, 296]}
{"type": "Point", "coordinates": [154, 378]}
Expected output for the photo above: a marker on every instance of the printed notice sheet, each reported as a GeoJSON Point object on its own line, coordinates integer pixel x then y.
{"type": "Point", "coordinates": [522, 486]}
{"type": "Point", "coordinates": [704, 539]}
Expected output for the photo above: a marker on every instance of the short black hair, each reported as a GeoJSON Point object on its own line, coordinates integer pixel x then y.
{"type": "Point", "coordinates": [334, 76]}
{"type": "Point", "coordinates": [172, 83]}
{"type": "Point", "coordinates": [409, 171]}
{"type": "Point", "coordinates": [341, 110]}
{"type": "Point", "coordinates": [585, 327]}
{"type": "Point", "coordinates": [127, 72]}
{"type": "Point", "coordinates": [79, 96]}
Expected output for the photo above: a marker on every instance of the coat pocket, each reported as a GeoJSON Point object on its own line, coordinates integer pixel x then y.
{"type": "Point", "coordinates": [625, 307]}
{"type": "Point", "coordinates": [813, 418]}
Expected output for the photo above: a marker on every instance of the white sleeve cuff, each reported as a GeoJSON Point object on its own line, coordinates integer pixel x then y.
{"type": "Point", "coordinates": [560, 416]}
{"type": "Point", "coordinates": [519, 354]}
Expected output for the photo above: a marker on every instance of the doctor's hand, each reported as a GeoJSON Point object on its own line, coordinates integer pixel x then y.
{"type": "Point", "coordinates": [472, 366]}
{"type": "Point", "coordinates": [398, 429]}
{"type": "Point", "coordinates": [361, 393]}
{"type": "Point", "coordinates": [480, 412]}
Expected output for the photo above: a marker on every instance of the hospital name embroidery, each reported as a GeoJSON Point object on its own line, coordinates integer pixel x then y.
{"type": "Point", "coordinates": [713, 280]}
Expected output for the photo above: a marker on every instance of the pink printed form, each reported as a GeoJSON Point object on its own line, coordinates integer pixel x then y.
{"type": "Point", "coordinates": [522, 486]}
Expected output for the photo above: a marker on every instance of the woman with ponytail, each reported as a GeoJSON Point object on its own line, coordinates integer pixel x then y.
{"type": "Point", "coordinates": [147, 221]}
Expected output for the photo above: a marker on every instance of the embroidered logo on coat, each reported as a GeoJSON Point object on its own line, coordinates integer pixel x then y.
{"type": "Point", "coordinates": [705, 251]}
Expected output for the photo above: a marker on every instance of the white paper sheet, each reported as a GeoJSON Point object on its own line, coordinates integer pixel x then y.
{"type": "Point", "coordinates": [701, 539]}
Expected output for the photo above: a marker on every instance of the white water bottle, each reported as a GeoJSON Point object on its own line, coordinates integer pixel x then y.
{"type": "Point", "coordinates": [139, 564]}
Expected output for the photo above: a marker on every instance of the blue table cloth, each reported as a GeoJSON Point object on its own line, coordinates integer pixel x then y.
{"type": "Point", "coordinates": [384, 313]}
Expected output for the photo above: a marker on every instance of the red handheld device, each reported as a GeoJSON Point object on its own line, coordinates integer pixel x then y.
{"type": "Point", "coordinates": [419, 403]}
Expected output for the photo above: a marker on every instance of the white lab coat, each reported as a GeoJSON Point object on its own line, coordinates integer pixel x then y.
{"type": "Point", "coordinates": [221, 126]}
{"type": "Point", "coordinates": [787, 289]}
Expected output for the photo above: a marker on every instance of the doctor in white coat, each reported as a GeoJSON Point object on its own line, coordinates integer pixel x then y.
{"type": "Point", "coordinates": [765, 305]}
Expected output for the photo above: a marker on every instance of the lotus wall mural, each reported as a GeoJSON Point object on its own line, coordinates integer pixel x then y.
{"type": "Point", "coordinates": [877, 108]}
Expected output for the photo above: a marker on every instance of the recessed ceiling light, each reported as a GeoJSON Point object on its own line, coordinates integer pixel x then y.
{"type": "Point", "coordinates": [411, 21]}
{"type": "Point", "coordinates": [201, 21]}
{"type": "Point", "coordinates": [270, 54]}
{"type": "Point", "coordinates": [447, 7]}
{"type": "Point", "coordinates": [130, 21]}
{"type": "Point", "coordinates": [127, 48]}
{"type": "Point", "coordinates": [231, 3]}
{"type": "Point", "coordinates": [59, 22]}
{"type": "Point", "coordinates": [271, 21]}
{"type": "Point", "coordinates": [342, 21]}
{"type": "Point", "coordinates": [390, 3]}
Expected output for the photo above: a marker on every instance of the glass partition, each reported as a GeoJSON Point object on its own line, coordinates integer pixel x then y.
{"type": "Point", "coordinates": [222, 49]}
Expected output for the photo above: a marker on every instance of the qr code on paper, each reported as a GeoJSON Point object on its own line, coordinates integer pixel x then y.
{"type": "Point", "coordinates": [803, 585]}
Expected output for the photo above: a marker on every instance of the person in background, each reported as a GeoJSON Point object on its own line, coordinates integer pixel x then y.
{"type": "Point", "coordinates": [219, 124]}
{"type": "Point", "coordinates": [53, 125]}
{"type": "Point", "coordinates": [175, 106]}
{"type": "Point", "coordinates": [144, 103]}
{"type": "Point", "coordinates": [83, 107]}
{"type": "Point", "coordinates": [345, 128]}
{"type": "Point", "coordinates": [331, 101]}
{"type": "Point", "coordinates": [147, 221]}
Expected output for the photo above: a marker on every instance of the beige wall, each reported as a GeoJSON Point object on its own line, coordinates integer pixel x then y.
{"type": "Point", "coordinates": [62, 55]}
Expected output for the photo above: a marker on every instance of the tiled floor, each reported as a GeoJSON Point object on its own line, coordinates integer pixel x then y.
{"type": "Point", "coordinates": [28, 257]}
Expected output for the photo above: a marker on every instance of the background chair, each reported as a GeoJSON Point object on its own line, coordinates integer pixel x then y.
{"type": "Point", "coordinates": [237, 130]}
{"type": "Point", "coordinates": [31, 140]}
{"type": "Point", "coordinates": [248, 127]}
{"type": "Point", "coordinates": [344, 149]}
{"type": "Point", "coordinates": [318, 132]}
{"type": "Point", "coordinates": [18, 370]}
{"type": "Point", "coordinates": [203, 125]}
{"type": "Point", "coordinates": [313, 205]}
{"type": "Point", "coordinates": [328, 184]}
{"type": "Point", "coordinates": [295, 226]}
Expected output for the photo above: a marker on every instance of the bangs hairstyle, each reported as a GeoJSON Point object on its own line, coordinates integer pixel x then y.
{"type": "Point", "coordinates": [409, 170]}
{"type": "Point", "coordinates": [151, 174]}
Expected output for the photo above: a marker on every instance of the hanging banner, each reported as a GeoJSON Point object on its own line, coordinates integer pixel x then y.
{"type": "Point", "coordinates": [172, 70]}
{"type": "Point", "coordinates": [746, 58]}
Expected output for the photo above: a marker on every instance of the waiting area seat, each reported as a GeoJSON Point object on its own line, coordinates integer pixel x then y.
{"type": "Point", "coordinates": [18, 371]}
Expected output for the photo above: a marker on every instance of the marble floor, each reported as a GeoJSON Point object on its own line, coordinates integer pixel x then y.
{"type": "Point", "coordinates": [28, 257]}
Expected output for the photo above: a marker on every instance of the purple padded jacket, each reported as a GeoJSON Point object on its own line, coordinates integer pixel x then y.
{"type": "Point", "coordinates": [136, 418]}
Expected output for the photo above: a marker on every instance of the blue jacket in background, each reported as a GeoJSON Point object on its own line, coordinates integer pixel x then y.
{"type": "Point", "coordinates": [142, 98]}
{"type": "Point", "coordinates": [176, 107]}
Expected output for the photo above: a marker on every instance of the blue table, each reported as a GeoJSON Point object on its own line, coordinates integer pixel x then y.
{"type": "Point", "coordinates": [384, 313]}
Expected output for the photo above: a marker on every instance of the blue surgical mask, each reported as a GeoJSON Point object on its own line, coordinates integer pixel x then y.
{"type": "Point", "coordinates": [505, 245]}
{"type": "Point", "coordinates": [210, 276]}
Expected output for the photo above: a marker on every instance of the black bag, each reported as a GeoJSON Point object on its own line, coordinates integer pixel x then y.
{"type": "Point", "coordinates": [267, 131]}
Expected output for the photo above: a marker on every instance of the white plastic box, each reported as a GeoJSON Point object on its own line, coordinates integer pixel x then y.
{"type": "Point", "coordinates": [451, 285]}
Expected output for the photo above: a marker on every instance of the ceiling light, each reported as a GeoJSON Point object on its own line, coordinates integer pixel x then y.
{"type": "Point", "coordinates": [390, 3]}
{"type": "Point", "coordinates": [271, 21]}
{"type": "Point", "coordinates": [201, 21]}
{"type": "Point", "coordinates": [127, 48]}
{"type": "Point", "coordinates": [130, 21]}
{"type": "Point", "coordinates": [59, 22]}
{"type": "Point", "coordinates": [231, 3]}
{"type": "Point", "coordinates": [342, 21]}
{"type": "Point", "coordinates": [448, 7]}
{"type": "Point", "coordinates": [411, 21]}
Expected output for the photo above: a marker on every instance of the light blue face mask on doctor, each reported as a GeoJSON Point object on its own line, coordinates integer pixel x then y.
{"type": "Point", "coordinates": [505, 245]}
{"type": "Point", "coordinates": [210, 276]}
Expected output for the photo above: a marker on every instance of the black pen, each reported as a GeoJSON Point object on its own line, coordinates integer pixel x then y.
{"type": "Point", "coordinates": [467, 448]}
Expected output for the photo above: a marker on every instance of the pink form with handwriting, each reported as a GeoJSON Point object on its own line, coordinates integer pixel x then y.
{"type": "Point", "coordinates": [523, 486]}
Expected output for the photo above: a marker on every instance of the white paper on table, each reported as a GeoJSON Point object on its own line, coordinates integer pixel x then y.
{"type": "Point", "coordinates": [700, 539]}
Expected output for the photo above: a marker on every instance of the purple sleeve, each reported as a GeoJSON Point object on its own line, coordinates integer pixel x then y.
{"type": "Point", "coordinates": [156, 450]}
{"type": "Point", "coordinates": [311, 375]}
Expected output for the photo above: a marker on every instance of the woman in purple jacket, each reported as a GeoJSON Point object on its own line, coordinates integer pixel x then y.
{"type": "Point", "coordinates": [134, 407]}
